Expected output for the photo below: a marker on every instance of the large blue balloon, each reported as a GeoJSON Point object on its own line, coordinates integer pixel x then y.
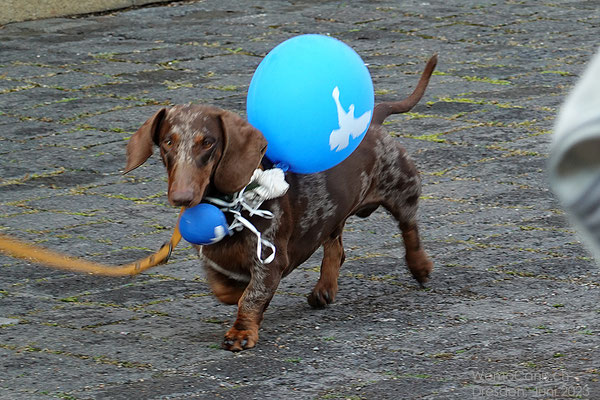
{"type": "Point", "coordinates": [312, 98]}
{"type": "Point", "coordinates": [203, 224]}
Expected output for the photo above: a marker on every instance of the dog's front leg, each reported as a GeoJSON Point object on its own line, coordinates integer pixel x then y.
{"type": "Point", "coordinates": [252, 305]}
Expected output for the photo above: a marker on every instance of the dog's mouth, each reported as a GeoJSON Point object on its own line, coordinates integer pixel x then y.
{"type": "Point", "coordinates": [188, 197]}
{"type": "Point", "coordinates": [177, 202]}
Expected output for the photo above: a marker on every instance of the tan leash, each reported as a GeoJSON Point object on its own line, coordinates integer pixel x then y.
{"type": "Point", "coordinates": [18, 249]}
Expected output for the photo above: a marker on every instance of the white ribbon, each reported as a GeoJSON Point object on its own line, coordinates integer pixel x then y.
{"type": "Point", "coordinates": [271, 184]}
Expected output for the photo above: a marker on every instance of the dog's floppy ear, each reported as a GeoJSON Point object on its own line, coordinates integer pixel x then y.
{"type": "Point", "coordinates": [140, 144]}
{"type": "Point", "coordinates": [243, 149]}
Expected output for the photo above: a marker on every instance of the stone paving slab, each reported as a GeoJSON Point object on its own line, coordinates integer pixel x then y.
{"type": "Point", "coordinates": [511, 310]}
{"type": "Point", "coordinates": [15, 10]}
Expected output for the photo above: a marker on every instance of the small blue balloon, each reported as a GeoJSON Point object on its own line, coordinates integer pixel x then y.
{"type": "Point", "coordinates": [203, 224]}
{"type": "Point", "coordinates": [312, 98]}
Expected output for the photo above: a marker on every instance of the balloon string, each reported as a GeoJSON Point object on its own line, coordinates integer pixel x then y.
{"type": "Point", "coordinates": [271, 184]}
{"type": "Point", "coordinates": [259, 242]}
{"type": "Point", "coordinates": [240, 222]}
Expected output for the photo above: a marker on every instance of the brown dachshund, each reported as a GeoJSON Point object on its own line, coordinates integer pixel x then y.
{"type": "Point", "coordinates": [211, 152]}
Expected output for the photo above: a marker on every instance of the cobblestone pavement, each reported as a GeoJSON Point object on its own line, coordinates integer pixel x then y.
{"type": "Point", "coordinates": [512, 308]}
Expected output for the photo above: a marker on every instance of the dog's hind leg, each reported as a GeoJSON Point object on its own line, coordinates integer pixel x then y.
{"type": "Point", "coordinates": [326, 288]}
{"type": "Point", "coordinates": [417, 261]}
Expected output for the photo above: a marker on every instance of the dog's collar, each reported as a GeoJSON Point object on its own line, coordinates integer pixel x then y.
{"type": "Point", "coordinates": [231, 275]}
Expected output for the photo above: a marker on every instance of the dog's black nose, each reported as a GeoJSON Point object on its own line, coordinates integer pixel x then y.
{"type": "Point", "coordinates": [182, 198]}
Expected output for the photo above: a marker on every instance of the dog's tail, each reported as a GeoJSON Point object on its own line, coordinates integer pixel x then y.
{"type": "Point", "coordinates": [384, 110]}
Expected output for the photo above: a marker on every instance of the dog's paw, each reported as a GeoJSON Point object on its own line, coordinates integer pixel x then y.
{"type": "Point", "coordinates": [321, 297]}
{"type": "Point", "coordinates": [420, 267]}
{"type": "Point", "coordinates": [236, 340]}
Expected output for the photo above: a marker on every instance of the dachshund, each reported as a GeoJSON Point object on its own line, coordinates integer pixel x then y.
{"type": "Point", "coordinates": [208, 151]}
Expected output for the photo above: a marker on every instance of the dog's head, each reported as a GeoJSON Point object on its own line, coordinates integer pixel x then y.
{"type": "Point", "coordinates": [200, 146]}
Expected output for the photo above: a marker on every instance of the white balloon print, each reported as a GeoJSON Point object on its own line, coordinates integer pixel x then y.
{"type": "Point", "coordinates": [349, 125]}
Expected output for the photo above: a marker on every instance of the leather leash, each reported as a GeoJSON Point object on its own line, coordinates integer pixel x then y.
{"type": "Point", "coordinates": [18, 249]}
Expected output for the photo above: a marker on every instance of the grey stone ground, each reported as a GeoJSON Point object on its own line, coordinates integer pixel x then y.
{"type": "Point", "coordinates": [512, 308]}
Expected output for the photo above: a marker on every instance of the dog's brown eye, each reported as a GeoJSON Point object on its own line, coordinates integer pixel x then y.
{"type": "Point", "coordinates": [167, 143]}
{"type": "Point", "coordinates": [207, 143]}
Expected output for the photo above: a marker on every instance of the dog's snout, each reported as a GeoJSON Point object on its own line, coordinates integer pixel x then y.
{"type": "Point", "coordinates": [182, 198]}
{"type": "Point", "coordinates": [186, 185]}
